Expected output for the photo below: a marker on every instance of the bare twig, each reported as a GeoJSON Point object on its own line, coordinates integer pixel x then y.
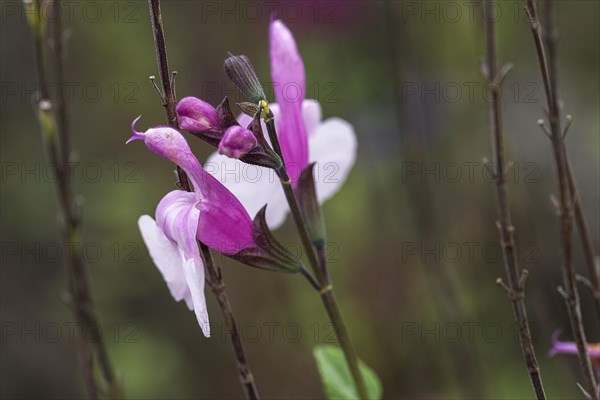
{"type": "Point", "coordinates": [57, 140]}
{"type": "Point", "coordinates": [516, 279]}
{"type": "Point", "coordinates": [217, 285]}
{"type": "Point", "coordinates": [586, 238]}
{"type": "Point", "coordinates": [214, 278]}
{"type": "Point", "coordinates": [62, 107]}
{"type": "Point", "coordinates": [566, 184]}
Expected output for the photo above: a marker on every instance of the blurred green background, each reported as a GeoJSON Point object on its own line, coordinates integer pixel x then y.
{"type": "Point", "coordinates": [414, 251]}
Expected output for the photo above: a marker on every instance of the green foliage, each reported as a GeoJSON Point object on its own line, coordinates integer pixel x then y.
{"type": "Point", "coordinates": [336, 377]}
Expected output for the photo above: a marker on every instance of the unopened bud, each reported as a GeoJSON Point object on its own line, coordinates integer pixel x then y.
{"type": "Point", "coordinates": [241, 72]}
{"type": "Point", "coordinates": [196, 115]}
{"type": "Point", "coordinates": [237, 142]}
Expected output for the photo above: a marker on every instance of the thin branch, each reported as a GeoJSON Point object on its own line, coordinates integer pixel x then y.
{"type": "Point", "coordinates": [586, 238]}
{"type": "Point", "coordinates": [62, 107]}
{"type": "Point", "coordinates": [80, 298]}
{"type": "Point", "coordinates": [217, 285]}
{"type": "Point", "coordinates": [214, 277]}
{"type": "Point", "coordinates": [548, 68]}
{"type": "Point", "coordinates": [516, 279]}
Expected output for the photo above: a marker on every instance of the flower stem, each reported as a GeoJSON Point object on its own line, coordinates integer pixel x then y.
{"type": "Point", "coordinates": [320, 270]}
{"type": "Point", "coordinates": [296, 214]}
{"type": "Point", "coordinates": [215, 280]}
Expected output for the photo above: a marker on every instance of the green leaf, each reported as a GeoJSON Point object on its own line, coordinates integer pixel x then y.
{"type": "Point", "coordinates": [336, 378]}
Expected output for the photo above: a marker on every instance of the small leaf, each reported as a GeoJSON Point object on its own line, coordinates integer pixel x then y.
{"type": "Point", "coordinates": [250, 109]}
{"type": "Point", "coordinates": [226, 117]}
{"type": "Point", "coordinates": [336, 378]}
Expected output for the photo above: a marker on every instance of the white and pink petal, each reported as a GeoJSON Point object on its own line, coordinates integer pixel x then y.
{"type": "Point", "coordinates": [253, 186]}
{"type": "Point", "coordinates": [166, 257]}
{"type": "Point", "coordinates": [333, 147]}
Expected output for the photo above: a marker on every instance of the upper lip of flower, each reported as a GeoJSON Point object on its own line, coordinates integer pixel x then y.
{"type": "Point", "coordinates": [287, 70]}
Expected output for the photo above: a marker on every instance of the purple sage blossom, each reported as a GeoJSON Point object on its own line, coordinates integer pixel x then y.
{"type": "Point", "coordinates": [196, 115]}
{"type": "Point", "coordinates": [559, 347]}
{"type": "Point", "coordinates": [211, 214]}
{"type": "Point", "coordinates": [303, 136]}
{"type": "Point", "coordinates": [237, 142]}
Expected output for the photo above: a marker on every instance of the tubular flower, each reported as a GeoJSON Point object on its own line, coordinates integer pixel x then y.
{"type": "Point", "coordinates": [303, 137]}
{"type": "Point", "coordinates": [211, 214]}
{"type": "Point", "coordinates": [559, 347]}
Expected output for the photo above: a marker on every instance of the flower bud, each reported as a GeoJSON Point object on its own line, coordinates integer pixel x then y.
{"type": "Point", "coordinates": [237, 142]}
{"type": "Point", "coordinates": [241, 72]}
{"type": "Point", "coordinates": [196, 116]}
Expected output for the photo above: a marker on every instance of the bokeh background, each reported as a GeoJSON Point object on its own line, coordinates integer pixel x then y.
{"type": "Point", "coordinates": [413, 252]}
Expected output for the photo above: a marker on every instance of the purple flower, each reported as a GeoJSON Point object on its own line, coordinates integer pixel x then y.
{"type": "Point", "coordinates": [304, 138]}
{"type": "Point", "coordinates": [237, 142]}
{"type": "Point", "coordinates": [289, 84]}
{"type": "Point", "coordinates": [196, 115]}
{"type": "Point", "coordinates": [211, 214]}
{"type": "Point", "coordinates": [559, 347]}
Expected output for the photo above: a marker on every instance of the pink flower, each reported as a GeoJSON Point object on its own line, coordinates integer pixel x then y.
{"type": "Point", "coordinates": [304, 138]}
{"type": "Point", "coordinates": [237, 142]}
{"type": "Point", "coordinates": [211, 214]}
{"type": "Point", "coordinates": [559, 347]}
{"type": "Point", "coordinates": [196, 115]}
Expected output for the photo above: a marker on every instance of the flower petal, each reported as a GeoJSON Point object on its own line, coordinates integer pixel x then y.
{"type": "Point", "coordinates": [311, 112]}
{"type": "Point", "coordinates": [178, 217]}
{"type": "Point", "coordinates": [171, 214]}
{"type": "Point", "coordinates": [166, 257]}
{"type": "Point", "coordinates": [194, 275]}
{"type": "Point", "coordinates": [224, 224]}
{"type": "Point", "coordinates": [333, 147]}
{"type": "Point", "coordinates": [289, 84]}
{"type": "Point", "coordinates": [253, 186]}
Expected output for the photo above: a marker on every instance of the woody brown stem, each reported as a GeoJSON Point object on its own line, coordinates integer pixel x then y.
{"type": "Point", "coordinates": [56, 136]}
{"type": "Point", "coordinates": [548, 68]}
{"type": "Point", "coordinates": [515, 285]}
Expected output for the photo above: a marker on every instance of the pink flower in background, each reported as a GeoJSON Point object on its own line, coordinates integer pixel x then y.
{"type": "Point", "coordinates": [303, 136]}
{"type": "Point", "coordinates": [559, 347]}
{"type": "Point", "coordinates": [210, 214]}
